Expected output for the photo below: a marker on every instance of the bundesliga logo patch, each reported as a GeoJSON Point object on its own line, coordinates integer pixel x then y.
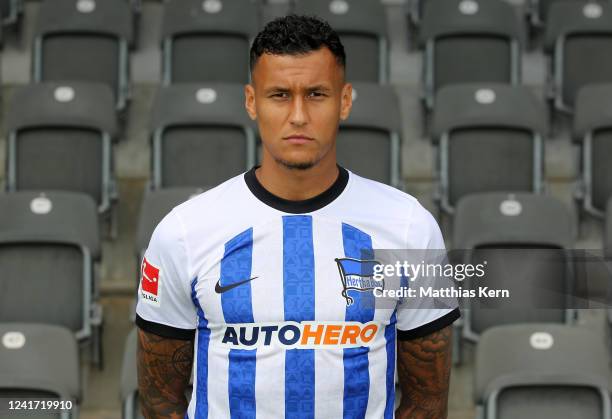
{"type": "Point", "coordinates": [149, 282]}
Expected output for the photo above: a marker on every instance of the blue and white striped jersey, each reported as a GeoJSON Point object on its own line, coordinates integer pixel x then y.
{"type": "Point", "coordinates": [256, 278]}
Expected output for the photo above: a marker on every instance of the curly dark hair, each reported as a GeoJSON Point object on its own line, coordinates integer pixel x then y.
{"type": "Point", "coordinates": [294, 35]}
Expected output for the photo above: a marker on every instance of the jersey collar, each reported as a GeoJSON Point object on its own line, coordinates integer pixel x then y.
{"type": "Point", "coordinates": [297, 207]}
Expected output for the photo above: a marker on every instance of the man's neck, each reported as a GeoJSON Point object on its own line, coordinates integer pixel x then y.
{"type": "Point", "coordinates": [295, 184]}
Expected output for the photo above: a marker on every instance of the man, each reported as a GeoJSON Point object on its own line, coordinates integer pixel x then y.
{"type": "Point", "coordinates": [243, 283]}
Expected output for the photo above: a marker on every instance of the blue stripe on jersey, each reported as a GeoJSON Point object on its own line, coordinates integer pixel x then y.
{"type": "Point", "coordinates": [390, 339]}
{"type": "Point", "coordinates": [201, 390]}
{"type": "Point", "coordinates": [238, 308]}
{"type": "Point", "coordinates": [299, 303]}
{"type": "Point", "coordinates": [357, 245]}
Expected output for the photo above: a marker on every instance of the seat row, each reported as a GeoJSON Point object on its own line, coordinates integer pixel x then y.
{"type": "Point", "coordinates": [208, 41]}
{"type": "Point", "coordinates": [489, 137]}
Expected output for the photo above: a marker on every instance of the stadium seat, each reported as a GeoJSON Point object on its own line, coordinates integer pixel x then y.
{"type": "Point", "coordinates": [60, 137]}
{"type": "Point", "coordinates": [522, 237]}
{"type": "Point", "coordinates": [490, 139]}
{"type": "Point", "coordinates": [49, 242]}
{"type": "Point", "coordinates": [207, 41]}
{"type": "Point", "coordinates": [369, 141]}
{"type": "Point", "coordinates": [39, 362]}
{"type": "Point", "coordinates": [362, 27]}
{"type": "Point", "coordinates": [201, 135]}
{"type": "Point", "coordinates": [578, 38]}
{"type": "Point", "coordinates": [469, 41]}
{"type": "Point", "coordinates": [155, 205]}
{"type": "Point", "coordinates": [84, 40]}
{"type": "Point", "coordinates": [593, 129]}
{"type": "Point", "coordinates": [541, 371]}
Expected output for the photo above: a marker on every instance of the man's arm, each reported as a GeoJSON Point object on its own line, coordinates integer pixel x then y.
{"type": "Point", "coordinates": [424, 366]}
{"type": "Point", "coordinates": [164, 369]}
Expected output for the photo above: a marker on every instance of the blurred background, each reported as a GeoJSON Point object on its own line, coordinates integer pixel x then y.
{"type": "Point", "coordinates": [496, 115]}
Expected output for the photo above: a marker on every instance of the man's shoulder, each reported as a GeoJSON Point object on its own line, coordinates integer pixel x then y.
{"type": "Point", "coordinates": [384, 199]}
{"type": "Point", "coordinates": [222, 198]}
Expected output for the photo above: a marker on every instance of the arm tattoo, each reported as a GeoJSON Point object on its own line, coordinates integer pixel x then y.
{"type": "Point", "coordinates": [424, 366]}
{"type": "Point", "coordinates": [164, 369]}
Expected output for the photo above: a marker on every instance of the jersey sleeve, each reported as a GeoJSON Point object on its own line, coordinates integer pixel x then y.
{"type": "Point", "coordinates": [165, 307]}
{"type": "Point", "coordinates": [418, 317]}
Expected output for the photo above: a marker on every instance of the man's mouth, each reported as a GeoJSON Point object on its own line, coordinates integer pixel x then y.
{"type": "Point", "coordinates": [298, 139]}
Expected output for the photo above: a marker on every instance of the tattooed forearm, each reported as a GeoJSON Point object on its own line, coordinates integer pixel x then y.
{"type": "Point", "coordinates": [164, 368]}
{"type": "Point", "coordinates": [424, 366]}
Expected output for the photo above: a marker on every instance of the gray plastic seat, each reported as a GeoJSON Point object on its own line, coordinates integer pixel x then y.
{"type": "Point", "coordinates": [201, 135]}
{"type": "Point", "coordinates": [542, 371]}
{"type": "Point", "coordinates": [60, 137]}
{"type": "Point", "coordinates": [524, 239]}
{"type": "Point", "coordinates": [207, 40]}
{"type": "Point", "coordinates": [487, 31]}
{"type": "Point", "coordinates": [593, 130]}
{"type": "Point", "coordinates": [578, 38]}
{"type": "Point", "coordinates": [362, 27]}
{"type": "Point", "coordinates": [84, 40]}
{"type": "Point", "coordinates": [490, 139]}
{"type": "Point", "coordinates": [48, 244]}
{"type": "Point", "coordinates": [39, 362]}
{"type": "Point", "coordinates": [369, 141]}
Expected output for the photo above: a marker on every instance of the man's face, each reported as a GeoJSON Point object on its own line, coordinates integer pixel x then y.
{"type": "Point", "coordinates": [298, 101]}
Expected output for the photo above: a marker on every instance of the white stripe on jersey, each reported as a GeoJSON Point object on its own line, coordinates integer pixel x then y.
{"type": "Point", "coordinates": [267, 295]}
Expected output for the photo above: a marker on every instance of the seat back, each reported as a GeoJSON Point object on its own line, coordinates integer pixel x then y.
{"type": "Point", "coordinates": [201, 135]}
{"type": "Point", "coordinates": [368, 141]}
{"type": "Point", "coordinates": [522, 240]}
{"type": "Point", "coordinates": [38, 360]}
{"type": "Point", "coordinates": [61, 159]}
{"type": "Point", "coordinates": [48, 243]}
{"type": "Point", "coordinates": [579, 36]}
{"type": "Point", "coordinates": [538, 281]}
{"type": "Point", "coordinates": [490, 60]}
{"type": "Point", "coordinates": [362, 27]}
{"type": "Point", "coordinates": [550, 402]}
{"type": "Point", "coordinates": [207, 41]}
{"type": "Point", "coordinates": [198, 155]}
{"type": "Point", "coordinates": [548, 371]}
{"type": "Point", "coordinates": [490, 140]}
{"type": "Point", "coordinates": [367, 152]}
{"type": "Point", "coordinates": [593, 131]}
{"type": "Point", "coordinates": [84, 41]}
{"type": "Point", "coordinates": [42, 283]}
{"type": "Point", "coordinates": [489, 160]}
{"type": "Point", "coordinates": [486, 31]}
{"type": "Point", "coordinates": [59, 138]}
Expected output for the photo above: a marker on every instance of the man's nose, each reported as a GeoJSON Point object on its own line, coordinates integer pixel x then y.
{"type": "Point", "coordinates": [299, 113]}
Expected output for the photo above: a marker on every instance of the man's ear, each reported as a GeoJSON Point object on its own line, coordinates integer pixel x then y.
{"type": "Point", "coordinates": [346, 102]}
{"type": "Point", "coordinates": [249, 101]}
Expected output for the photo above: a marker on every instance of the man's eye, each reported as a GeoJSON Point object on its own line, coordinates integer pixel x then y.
{"type": "Point", "coordinates": [316, 94]}
{"type": "Point", "coordinates": [280, 95]}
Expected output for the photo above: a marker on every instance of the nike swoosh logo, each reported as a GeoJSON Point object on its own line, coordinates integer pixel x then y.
{"type": "Point", "coordinates": [220, 289]}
